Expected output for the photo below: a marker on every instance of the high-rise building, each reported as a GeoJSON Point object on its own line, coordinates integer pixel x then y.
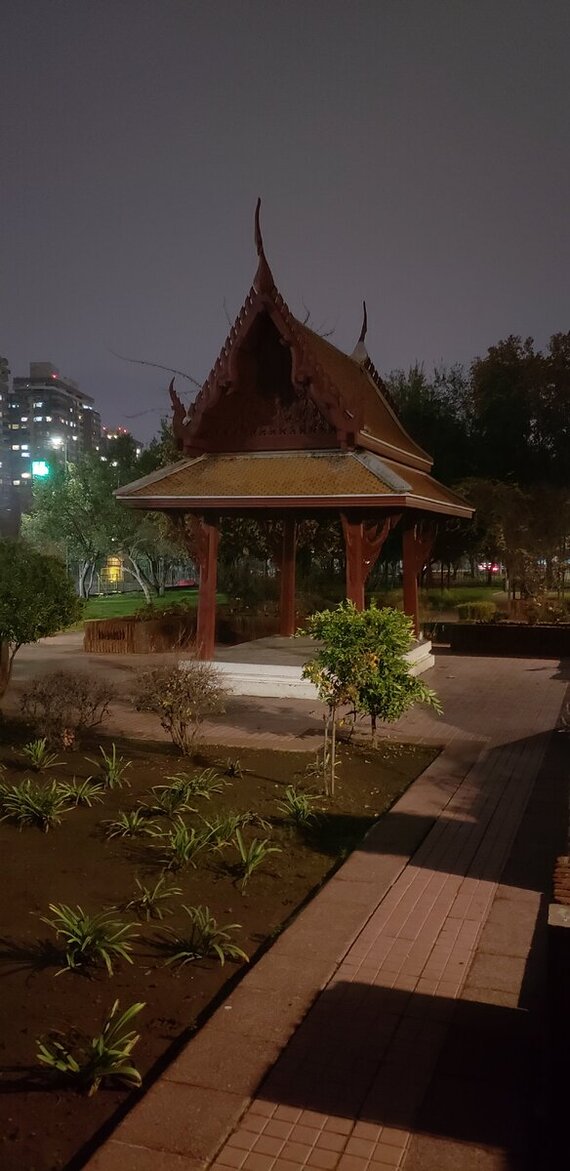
{"type": "Point", "coordinates": [5, 478]}
{"type": "Point", "coordinates": [111, 438]}
{"type": "Point", "coordinates": [50, 420]}
{"type": "Point", "coordinates": [10, 510]}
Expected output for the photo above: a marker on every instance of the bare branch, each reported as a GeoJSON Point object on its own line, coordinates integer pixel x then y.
{"type": "Point", "coordinates": [157, 366]}
{"type": "Point", "coordinates": [226, 311]}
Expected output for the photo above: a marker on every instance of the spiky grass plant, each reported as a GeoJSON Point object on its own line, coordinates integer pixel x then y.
{"type": "Point", "coordinates": [201, 939]}
{"type": "Point", "coordinates": [298, 807]}
{"type": "Point", "coordinates": [150, 902]}
{"type": "Point", "coordinates": [250, 817]}
{"type": "Point", "coordinates": [38, 755]}
{"type": "Point", "coordinates": [31, 803]}
{"type": "Point", "coordinates": [203, 784]}
{"type": "Point", "coordinates": [112, 768]}
{"type": "Point", "coordinates": [252, 856]}
{"type": "Point", "coordinates": [223, 827]}
{"type": "Point", "coordinates": [90, 939]}
{"type": "Point", "coordinates": [167, 801]}
{"type": "Point", "coordinates": [183, 844]}
{"type": "Point", "coordinates": [133, 823]}
{"type": "Point", "coordinates": [87, 792]}
{"type": "Point", "coordinates": [106, 1057]}
{"type": "Point", "coordinates": [234, 767]}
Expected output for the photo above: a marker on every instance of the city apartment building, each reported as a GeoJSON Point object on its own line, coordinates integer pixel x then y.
{"type": "Point", "coordinates": [5, 477]}
{"type": "Point", "coordinates": [50, 420]}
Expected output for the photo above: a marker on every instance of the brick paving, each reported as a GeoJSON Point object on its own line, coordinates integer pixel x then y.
{"type": "Point", "coordinates": [328, 1052]}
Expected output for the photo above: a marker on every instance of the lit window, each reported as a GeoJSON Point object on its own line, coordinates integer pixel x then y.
{"type": "Point", "coordinates": [38, 404]}
{"type": "Point", "coordinates": [15, 447]}
{"type": "Point", "coordinates": [25, 454]}
{"type": "Point", "coordinates": [38, 418]}
{"type": "Point", "coordinates": [48, 418]}
{"type": "Point", "coordinates": [26, 476]}
{"type": "Point", "coordinates": [25, 446]}
{"type": "Point", "coordinates": [24, 419]}
{"type": "Point", "coordinates": [15, 482]}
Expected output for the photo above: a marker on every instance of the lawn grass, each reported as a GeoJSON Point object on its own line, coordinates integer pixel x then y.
{"type": "Point", "coordinates": [123, 605]}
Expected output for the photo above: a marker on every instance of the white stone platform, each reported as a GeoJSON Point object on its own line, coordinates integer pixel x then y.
{"type": "Point", "coordinates": [272, 667]}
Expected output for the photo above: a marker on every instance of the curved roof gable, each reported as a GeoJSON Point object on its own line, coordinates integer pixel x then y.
{"type": "Point", "coordinates": [346, 390]}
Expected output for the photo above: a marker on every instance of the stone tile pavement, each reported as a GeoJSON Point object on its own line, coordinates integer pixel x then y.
{"type": "Point", "coordinates": [392, 1025]}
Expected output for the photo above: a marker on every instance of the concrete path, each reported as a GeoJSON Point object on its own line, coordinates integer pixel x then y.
{"type": "Point", "coordinates": [396, 1023]}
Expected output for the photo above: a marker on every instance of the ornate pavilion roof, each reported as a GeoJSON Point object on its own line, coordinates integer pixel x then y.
{"type": "Point", "coordinates": [279, 479]}
{"type": "Point", "coordinates": [286, 417]}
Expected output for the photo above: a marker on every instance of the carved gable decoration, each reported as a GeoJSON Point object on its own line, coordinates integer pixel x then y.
{"type": "Point", "coordinates": [300, 418]}
{"type": "Point", "coordinates": [264, 400]}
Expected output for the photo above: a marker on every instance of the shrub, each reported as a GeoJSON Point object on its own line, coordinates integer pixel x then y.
{"type": "Point", "coordinates": [133, 824]}
{"type": "Point", "coordinates": [182, 698]}
{"type": "Point", "coordinates": [298, 806]}
{"type": "Point", "coordinates": [37, 599]}
{"type": "Point", "coordinates": [86, 792]}
{"type": "Point", "coordinates": [33, 804]}
{"type": "Point", "coordinates": [361, 663]}
{"type": "Point", "coordinates": [167, 801]}
{"type": "Point", "coordinates": [150, 899]}
{"type": "Point", "coordinates": [550, 610]}
{"type": "Point", "coordinates": [90, 939]}
{"type": "Point", "coordinates": [64, 704]}
{"type": "Point", "coordinates": [38, 756]}
{"type": "Point", "coordinates": [202, 784]}
{"type": "Point", "coordinates": [112, 768]}
{"type": "Point", "coordinates": [252, 856]}
{"type": "Point", "coordinates": [203, 938]}
{"type": "Point", "coordinates": [182, 845]}
{"type": "Point", "coordinates": [105, 1057]}
{"type": "Point", "coordinates": [476, 611]}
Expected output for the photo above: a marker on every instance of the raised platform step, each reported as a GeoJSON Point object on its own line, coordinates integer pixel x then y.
{"type": "Point", "coordinates": [282, 680]}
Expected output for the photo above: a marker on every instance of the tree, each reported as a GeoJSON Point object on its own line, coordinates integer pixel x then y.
{"type": "Point", "coordinates": [70, 512]}
{"type": "Point", "coordinates": [437, 413]}
{"type": "Point", "coordinates": [76, 510]}
{"type": "Point", "coordinates": [36, 599]}
{"type": "Point", "coordinates": [361, 663]}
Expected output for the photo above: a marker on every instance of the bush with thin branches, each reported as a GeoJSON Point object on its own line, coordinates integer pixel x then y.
{"type": "Point", "coordinates": [182, 697]}
{"type": "Point", "coordinates": [63, 705]}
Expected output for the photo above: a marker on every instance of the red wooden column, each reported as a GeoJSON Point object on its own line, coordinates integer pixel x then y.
{"type": "Point", "coordinates": [363, 541]}
{"type": "Point", "coordinates": [287, 624]}
{"type": "Point", "coordinates": [352, 530]}
{"type": "Point", "coordinates": [411, 602]}
{"type": "Point", "coordinates": [207, 537]}
{"type": "Point", "coordinates": [417, 541]}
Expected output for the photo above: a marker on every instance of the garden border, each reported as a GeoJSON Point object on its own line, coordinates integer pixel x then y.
{"type": "Point", "coordinates": [184, 1117]}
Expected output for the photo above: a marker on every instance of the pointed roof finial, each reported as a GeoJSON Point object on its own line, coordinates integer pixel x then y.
{"type": "Point", "coordinates": [263, 280]}
{"type": "Point", "coordinates": [364, 323]}
{"type": "Point", "coordinates": [360, 353]}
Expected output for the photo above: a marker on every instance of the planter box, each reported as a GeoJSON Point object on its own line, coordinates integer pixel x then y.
{"type": "Point", "coordinates": [503, 638]}
{"type": "Point", "coordinates": [235, 628]}
{"type": "Point", "coordinates": [127, 636]}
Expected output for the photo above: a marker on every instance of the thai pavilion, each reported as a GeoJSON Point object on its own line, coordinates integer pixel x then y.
{"type": "Point", "coordinates": [287, 427]}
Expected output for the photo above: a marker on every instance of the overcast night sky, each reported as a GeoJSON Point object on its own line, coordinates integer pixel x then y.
{"type": "Point", "coordinates": [412, 152]}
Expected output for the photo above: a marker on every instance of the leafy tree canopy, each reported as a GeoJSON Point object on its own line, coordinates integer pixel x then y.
{"type": "Point", "coordinates": [36, 597]}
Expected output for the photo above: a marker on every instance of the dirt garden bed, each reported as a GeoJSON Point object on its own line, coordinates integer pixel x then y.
{"type": "Point", "coordinates": [45, 1126]}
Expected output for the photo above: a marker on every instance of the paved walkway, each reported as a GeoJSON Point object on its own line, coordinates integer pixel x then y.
{"type": "Point", "coordinates": [393, 1024]}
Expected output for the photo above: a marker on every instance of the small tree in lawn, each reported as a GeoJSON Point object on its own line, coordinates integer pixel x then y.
{"type": "Point", "coordinates": [36, 599]}
{"type": "Point", "coordinates": [361, 663]}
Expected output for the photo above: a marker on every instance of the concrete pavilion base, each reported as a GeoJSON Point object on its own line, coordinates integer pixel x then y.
{"type": "Point", "coordinates": [271, 667]}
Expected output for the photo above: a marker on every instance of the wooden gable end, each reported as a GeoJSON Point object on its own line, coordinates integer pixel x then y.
{"type": "Point", "coordinates": [261, 404]}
